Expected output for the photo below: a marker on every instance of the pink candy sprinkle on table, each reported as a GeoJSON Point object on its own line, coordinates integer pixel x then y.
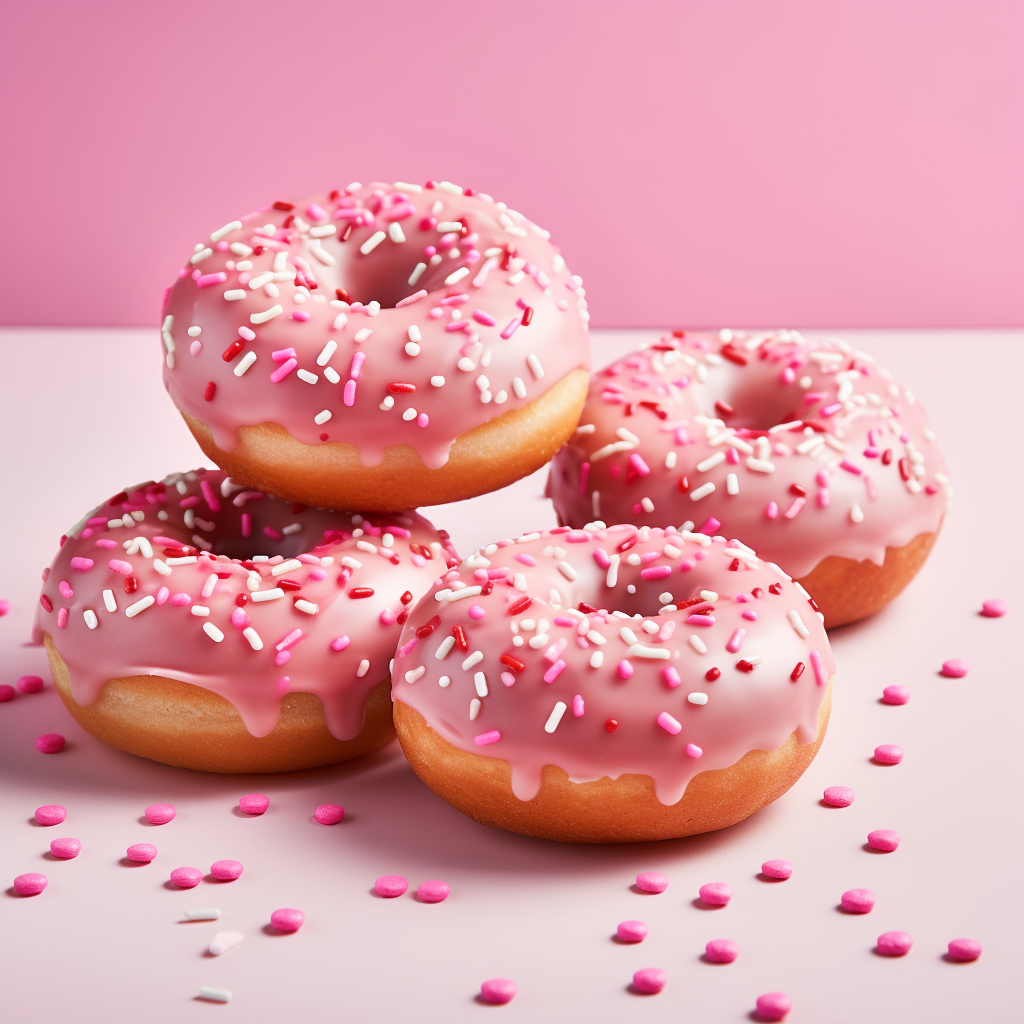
{"type": "Point", "coordinates": [287, 919]}
{"type": "Point", "coordinates": [50, 743]}
{"type": "Point", "coordinates": [884, 839]}
{"type": "Point", "coordinates": [649, 981]}
{"type": "Point", "coordinates": [7, 692]}
{"type": "Point", "coordinates": [857, 901]}
{"type": "Point", "coordinates": [433, 891]}
{"type": "Point", "coordinates": [159, 814]}
{"type": "Point", "coordinates": [721, 951]}
{"type": "Point", "coordinates": [896, 695]}
{"type": "Point", "coordinates": [254, 803]}
{"type": "Point", "coordinates": [955, 668]}
{"type": "Point", "coordinates": [329, 814]}
{"type": "Point", "coordinates": [773, 1006]}
{"type": "Point", "coordinates": [777, 869]}
{"type": "Point", "coordinates": [50, 814]}
{"type": "Point", "coordinates": [186, 878]}
{"type": "Point", "coordinates": [838, 796]}
{"type": "Point", "coordinates": [964, 949]}
{"type": "Point", "coordinates": [652, 881]}
{"type": "Point", "coordinates": [390, 886]}
{"type": "Point", "coordinates": [994, 608]}
{"type": "Point", "coordinates": [631, 931]}
{"type": "Point", "coordinates": [716, 894]}
{"type": "Point", "coordinates": [894, 943]}
{"type": "Point", "coordinates": [142, 853]}
{"type": "Point", "coordinates": [65, 848]}
{"type": "Point", "coordinates": [498, 991]}
{"type": "Point", "coordinates": [30, 684]}
{"type": "Point", "coordinates": [226, 870]}
{"type": "Point", "coordinates": [30, 884]}
{"type": "Point", "coordinates": [889, 753]}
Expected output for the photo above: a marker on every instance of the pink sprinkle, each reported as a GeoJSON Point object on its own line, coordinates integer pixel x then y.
{"type": "Point", "coordinates": [652, 881]}
{"type": "Point", "coordinates": [736, 641]}
{"type": "Point", "coordinates": [894, 943]}
{"type": "Point", "coordinates": [205, 280]}
{"type": "Point", "coordinates": [287, 919]}
{"type": "Point", "coordinates": [390, 886]}
{"type": "Point", "coordinates": [349, 396]}
{"type": "Point", "coordinates": [422, 420]}
{"type": "Point", "coordinates": [186, 878]}
{"type": "Point", "coordinates": [671, 676]}
{"type": "Point", "coordinates": [484, 318]}
{"type": "Point", "coordinates": [50, 743]}
{"type": "Point", "coordinates": [777, 869]}
{"type": "Point", "coordinates": [485, 738]}
{"type": "Point", "coordinates": [700, 620]}
{"type": "Point", "coordinates": [896, 695]}
{"type": "Point", "coordinates": [247, 333]}
{"type": "Point", "coordinates": [498, 991]}
{"type": "Point", "coordinates": [771, 510]}
{"type": "Point", "coordinates": [329, 814]}
{"type": "Point", "coordinates": [883, 839]}
{"type": "Point", "coordinates": [578, 706]}
{"type": "Point", "coordinates": [315, 211]}
{"type": "Point", "coordinates": [254, 803]}
{"type": "Point", "coordinates": [638, 465]}
{"type": "Point", "coordinates": [601, 557]}
{"type": "Point", "coordinates": [838, 796]}
{"type": "Point", "coordinates": [721, 951]}
{"type": "Point", "coordinates": [549, 677]}
{"type": "Point", "coordinates": [513, 325]}
{"type": "Point", "coordinates": [656, 572]}
{"type": "Point", "coordinates": [820, 675]}
{"type": "Point", "coordinates": [889, 753]}
{"type": "Point", "coordinates": [584, 477]}
{"type": "Point", "coordinates": [434, 891]}
{"type": "Point", "coordinates": [160, 814]}
{"type": "Point", "coordinates": [81, 563]}
{"type": "Point", "coordinates": [794, 508]}
{"type": "Point", "coordinates": [955, 668]}
{"type": "Point", "coordinates": [66, 848]}
{"type": "Point", "coordinates": [143, 853]}
{"type": "Point", "coordinates": [649, 981]}
{"type": "Point", "coordinates": [692, 750]}
{"type": "Point", "coordinates": [226, 870]}
{"type": "Point", "coordinates": [992, 609]}
{"type": "Point", "coordinates": [716, 894]}
{"type": "Point", "coordinates": [5, 607]}
{"type": "Point", "coordinates": [246, 524]}
{"type": "Point", "coordinates": [476, 612]}
{"type": "Point", "coordinates": [161, 595]}
{"type": "Point", "coordinates": [121, 566]}
{"type": "Point", "coordinates": [625, 669]}
{"type": "Point", "coordinates": [30, 684]}
{"type": "Point", "coordinates": [357, 365]}
{"type": "Point", "coordinates": [964, 949]}
{"type": "Point", "coordinates": [50, 814]}
{"type": "Point", "coordinates": [180, 600]}
{"type": "Point", "coordinates": [339, 643]}
{"type": "Point", "coordinates": [631, 931]}
{"type": "Point", "coordinates": [283, 370]}
{"type": "Point", "coordinates": [850, 467]}
{"type": "Point", "coordinates": [773, 1006]}
{"type": "Point", "coordinates": [30, 884]}
{"type": "Point", "coordinates": [668, 723]}
{"type": "Point", "coordinates": [857, 901]}
{"type": "Point", "coordinates": [7, 693]}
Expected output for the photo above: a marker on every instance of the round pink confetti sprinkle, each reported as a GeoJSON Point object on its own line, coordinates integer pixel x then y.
{"type": "Point", "coordinates": [964, 949]}
{"type": "Point", "coordinates": [433, 891]}
{"type": "Point", "coordinates": [692, 750]}
{"type": "Point", "coordinates": [773, 1006]}
{"type": "Point", "coordinates": [390, 886]}
{"type": "Point", "coordinates": [838, 796]}
{"type": "Point", "coordinates": [994, 608]}
{"type": "Point", "coordinates": [30, 684]}
{"type": "Point", "coordinates": [226, 870]}
{"type": "Point", "coordinates": [857, 901]}
{"type": "Point", "coordinates": [254, 803]}
{"type": "Point", "coordinates": [329, 814]}
{"type": "Point", "coordinates": [777, 868]}
{"type": "Point", "coordinates": [896, 695]}
{"type": "Point", "coordinates": [721, 951]}
{"type": "Point", "coordinates": [50, 814]}
{"type": "Point", "coordinates": [883, 839]}
{"type": "Point", "coordinates": [650, 980]}
{"type": "Point", "coordinates": [476, 612]}
{"type": "Point", "coordinates": [159, 814]}
{"type": "Point", "coordinates": [955, 668]}
{"type": "Point", "coordinates": [50, 743]}
{"type": "Point", "coordinates": [498, 991]}
{"type": "Point", "coordinates": [287, 919]}
{"type": "Point", "coordinates": [894, 943]}
{"type": "Point", "coordinates": [631, 931]}
{"type": "Point", "coordinates": [651, 881]}
{"type": "Point", "coordinates": [717, 894]}
{"type": "Point", "coordinates": [65, 848]}
{"type": "Point", "coordinates": [7, 692]}
{"type": "Point", "coordinates": [30, 884]}
{"type": "Point", "coordinates": [186, 878]}
{"type": "Point", "coordinates": [141, 852]}
{"type": "Point", "coordinates": [889, 753]}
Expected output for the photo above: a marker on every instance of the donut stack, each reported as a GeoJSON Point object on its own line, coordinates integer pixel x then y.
{"type": "Point", "coordinates": [654, 667]}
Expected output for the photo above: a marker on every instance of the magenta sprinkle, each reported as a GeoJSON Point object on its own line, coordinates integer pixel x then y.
{"type": "Point", "coordinates": [186, 878]}
{"type": "Point", "coordinates": [773, 1006]}
{"type": "Point", "coordinates": [287, 919]}
{"type": "Point", "coordinates": [656, 572]}
{"type": "Point", "coordinates": [883, 839]}
{"type": "Point", "coordinates": [226, 870]}
{"type": "Point", "coordinates": [631, 931]}
{"type": "Point", "coordinates": [889, 753]}
{"type": "Point", "coordinates": [65, 848]}
{"type": "Point", "coordinates": [498, 991]}
{"type": "Point", "coordinates": [143, 853]}
{"type": "Point", "coordinates": [649, 981]}
{"type": "Point", "coordinates": [50, 743]}
{"type": "Point", "coordinates": [721, 951]}
{"type": "Point", "coordinates": [254, 803]}
{"type": "Point", "coordinates": [894, 943]}
{"type": "Point", "coordinates": [994, 608]}
{"type": "Point", "coordinates": [857, 901]}
{"type": "Point", "coordinates": [838, 796]}
{"type": "Point", "coordinates": [160, 814]}
{"type": "Point", "coordinates": [30, 684]}
{"type": "Point", "coordinates": [964, 949]}
{"type": "Point", "coordinates": [485, 738]}
{"type": "Point", "coordinates": [30, 884]}
{"type": "Point", "coordinates": [329, 814]}
{"type": "Point", "coordinates": [716, 894]}
{"type": "Point", "coordinates": [50, 814]}
{"type": "Point", "coordinates": [895, 695]}
{"type": "Point", "coordinates": [7, 692]}
{"type": "Point", "coordinates": [692, 750]}
{"type": "Point", "coordinates": [433, 891]}
{"type": "Point", "coordinates": [652, 881]}
{"type": "Point", "coordinates": [5, 608]}
{"type": "Point", "coordinates": [777, 869]}
{"type": "Point", "coordinates": [955, 668]}
{"type": "Point", "coordinates": [390, 886]}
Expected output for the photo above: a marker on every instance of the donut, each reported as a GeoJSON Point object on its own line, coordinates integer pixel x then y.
{"type": "Point", "coordinates": [205, 625]}
{"type": "Point", "coordinates": [804, 449]}
{"type": "Point", "coordinates": [381, 347]}
{"type": "Point", "coordinates": [612, 684]}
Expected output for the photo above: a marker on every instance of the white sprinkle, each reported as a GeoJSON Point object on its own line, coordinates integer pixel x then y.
{"type": "Point", "coordinates": [458, 595]}
{"type": "Point", "coordinates": [612, 576]}
{"type": "Point", "coordinates": [732, 484]}
{"type": "Point", "coordinates": [437, 381]}
{"type": "Point", "coordinates": [414, 675]}
{"type": "Point", "coordinates": [267, 595]}
{"type": "Point", "coordinates": [474, 659]}
{"type": "Point", "coordinates": [364, 667]}
{"type": "Point", "coordinates": [90, 618]}
{"type": "Point", "coordinates": [417, 273]}
{"type": "Point", "coordinates": [708, 595]}
{"type": "Point", "coordinates": [474, 708]}
{"type": "Point", "coordinates": [184, 560]}
{"type": "Point", "coordinates": [856, 515]}
{"type": "Point", "coordinates": [567, 571]}
{"type": "Point", "coordinates": [240, 249]}
{"type": "Point", "coordinates": [641, 651]}
{"type": "Point", "coordinates": [331, 374]}
{"type": "Point", "coordinates": [798, 624]}
{"type": "Point", "coordinates": [480, 682]}
{"type": "Point", "coordinates": [362, 335]}
{"type": "Point", "coordinates": [161, 567]}
{"type": "Point", "coordinates": [226, 230]}
{"type": "Point", "coordinates": [702, 492]}
{"type": "Point", "coordinates": [555, 717]}
{"type": "Point", "coordinates": [395, 232]}
{"type": "Point", "coordinates": [203, 914]}
{"type": "Point", "coordinates": [535, 368]}
{"type": "Point", "coordinates": [372, 242]}
{"type": "Point", "coordinates": [223, 941]}
{"type": "Point", "coordinates": [697, 698]}
{"type": "Point", "coordinates": [627, 635]}
{"type": "Point", "coordinates": [267, 314]}
{"type": "Point", "coordinates": [411, 348]}
{"type": "Point", "coordinates": [255, 640]}
{"type": "Point", "coordinates": [133, 609]}
{"type": "Point", "coordinates": [201, 610]}
{"type": "Point", "coordinates": [309, 378]}
{"type": "Point", "coordinates": [760, 465]}
{"type": "Point", "coordinates": [302, 605]}
{"type": "Point", "coordinates": [215, 995]}
{"type": "Point", "coordinates": [213, 632]}
{"type": "Point", "coordinates": [444, 647]}
{"type": "Point", "coordinates": [597, 659]}
{"type": "Point", "coordinates": [697, 644]}
{"type": "Point", "coordinates": [444, 681]}
{"type": "Point", "coordinates": [245, 362]}
{"type": "Point", "coordinates": [322, 417]}
{"type": "Point", "coordinates": [326, 352]}
{"type": "Point", "coordinates": [234, 294]}
{"type": "Point", "coordinates": [200, 256]}
{"type": "Point", "coordinates": [709, 463]}
{"type": "Point", "coordinates": [286, 566]}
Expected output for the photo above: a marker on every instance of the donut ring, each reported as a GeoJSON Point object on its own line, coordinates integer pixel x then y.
{"type": "Point", "coordinates": [699, 695]}
{"type": "Point", "coordinates": [204, 625]}
{"type": "Point", "coordinates": [380, 348]}
{"type": "Point", "coordinates": [806, 450]}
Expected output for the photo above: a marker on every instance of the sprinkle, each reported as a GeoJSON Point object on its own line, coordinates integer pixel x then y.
{"type": "Point", "coordinates": [697, 644]}
{"type": "Point", "coordinates": [498, 991]}
{"type": "Point", "coordinates": [372, 242]}
{"type": "Point", "coordinates": [267, 314]}
{"type": "Point", "coordinates": [555, 717]}
{"type": "Point", "coordinates": [226, 230]}
{"type": "Point", "coordinates": [721, 951]}
{"type": "Point", "coordinates": [266, 595]}
{"type": "Point", "coordinates": [631, 931]}
{"type": "Point", "coordinates": [692, 750]}
{"type": "Point", "coordinates": [773, 1006]}
{"type": "Point", "coordinates": [655, 653]}
{"type": "Point", "coordinates": [139, 606]}
{"type": "Point", "coordinates": [777, 869]}
{"type": "Point", "coordinates": [668, 723]}
{"type": "Point", "coordinates": [458, 275]}
{"type": "Point", "coordinates": [820, 675]}
{"type": "Point", "coordinates": [895, 695]}
{"type": "Point", "coordinates": [715, 894]}
{"type": "Point", "coordinates": [649, 980]}
{"type": "Point", "coordinates": [798, 624]}
{"type": "Point", "coordinates": [894, 943]}
{"type": "Point", "coordinates": [568, 571]}
{"type": "Point", "coordinates": [484, 738]}
{"type": "Point", "coordinates": [955, 668]}
{"type": "Point", "coordinates": [109, 601]}
{"type": "Point", "coordinates": [838, 796]}
{"type": "Point", "coordinates": [554, 672]}
{"type": "Point", "coordinates": [701, 492]}
{"type": "Point", "coordinates": [883, 839]}
{"type": "Point", "coordinates": [964, 950]}
{"type": "Point", "coordinates": [697, 698]}
{"type": "Point", "coordinates": [213, 994]}
{"type": "Point", "coordinates": [535, 368]}
{"type": "Point", "coordinates": [651, 881]}
{"type": "Point", "coordinates": [857, 901]}
{"type": "Point", "coordinates": [212, 632]}
{"type": "Point", "coordinates": [889, 753]}
{"type": "Point", "coordinates": [247, 360]}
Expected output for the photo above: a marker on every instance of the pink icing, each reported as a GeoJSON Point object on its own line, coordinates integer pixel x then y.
{"type": "Point", "coordinates": [803, 449]}
{"type": "Point", "coordinates": [403, 315]}
{"type": "Point", "coordinates": [504, 681]}
{"type": "Point", "coordinates": [199, 542]}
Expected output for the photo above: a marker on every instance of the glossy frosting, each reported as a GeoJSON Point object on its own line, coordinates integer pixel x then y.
{"type": "Point", "coordinates": [802, 448]}
{"type": "Point", "coordinates": [184, 562]}
{"type": "Point", "coordinates": [687, 666]}
{"type": "Point", "coordinates": [378, 315]}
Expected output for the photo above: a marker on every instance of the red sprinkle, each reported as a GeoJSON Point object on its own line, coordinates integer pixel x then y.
{"type": "Point", "coordinates": [724, 408]}
{"type": "Point", "coordinates": [211, 390]}
{"type": "Point", "coordinates": [279, 205]}
{"type": "Point", "coordinates": [798, 671]}
{"type": "Point", "coordinates": [626, 544]}
{"type": "Point", "coordinates": [775, 588]}
{"type": "Point", "coordinates": [401, 388]}
{"type": "Point", "coordinates": [46, 602]}
{"type": "Point", "coordinates": [131, 584]}
{"type": "Point", "coordinates": [460, 638]}
{"type": "Point", "coordinates": [712, 674]}
{"type": "Point", "coordinates": [406, 597]}
{"type": "Point", "coordinates": [513, 663]}
{"type": "Point", "coordinates": [241, 600]}
{"type": "Point", "coordinates": [341, 294]}
{"type": "Point", "coordinates": [289, 585]}
{"type": "Point", "coordinates": [519, 606]}
{"type": "Point", "coordinates": [232, 350]}
{"type": "Point", "coordinates": [886, 456]}
{"type": "Point", "coordinates": [527, 316]}
{"type": "Point", "coordinates": [361, 592]}
{"type": "Point", "coordinates": [611, 725]}
{"type": "Point", "coordinates": [728, 352]}
{"type": "Point", "coordinates": [799, 491]}
{"type": "Point", "coordinates": [428, 627]}
{"type": "Point", "coordinates": [744, 666]}
{"type": "Point", "coordinates": [904, 465]}
{"type": "Point", "coordinates": [684, 484]}
{"type": "Point", "coordinates": [757, 592]}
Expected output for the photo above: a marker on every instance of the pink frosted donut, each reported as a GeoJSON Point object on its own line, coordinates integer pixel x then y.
{"type": "Point", "coordinates": [612, 685]}
{"type": "Point", "coordinates": [806, 450]}
{"type": "Point", "coordinates": [201, 624]}
{"type": "Point", "coordinates": [380, 347]}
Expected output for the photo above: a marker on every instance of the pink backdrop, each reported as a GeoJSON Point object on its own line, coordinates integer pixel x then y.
{"type": "Point", "coordinates": [748, 162]}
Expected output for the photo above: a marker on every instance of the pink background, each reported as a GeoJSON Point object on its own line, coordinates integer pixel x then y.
{"type": "Point", "coordinates": [791, 162]}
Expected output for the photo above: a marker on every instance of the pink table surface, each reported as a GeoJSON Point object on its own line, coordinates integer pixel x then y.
{"type": "Point", "coordinates": [82, 414]}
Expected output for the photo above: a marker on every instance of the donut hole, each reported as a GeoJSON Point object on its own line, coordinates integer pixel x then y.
{"type": "Point", "coordinates": [758, 408]}
{"type": "Point", "coordinates": [386, 280]}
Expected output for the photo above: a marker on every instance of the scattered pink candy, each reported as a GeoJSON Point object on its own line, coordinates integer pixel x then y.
{"type": "Point", "coordinates": [717, 894]}
{"type": "Point", "coordinates": [721, 951]}
{"type": "Point", "coordinates": [773, 1006]}
{"type": "Point", "coordinates": [31, 884]}
{"type": "Point", "coordinates": [498, 991]}
{"type": "Point", "coordinates": [50, 743]}
{"type": "Point", "coordinates": [186, 878]}
{"type": "Point", "coordinates": [965, 949]}
{"type": "Point", "coordinates": [329, 814]}
{"type": "Point", "coordinates": [65, 848]}
{"type": "Point", "coordinates": [434, 891]}
{"type": "Point", "coordinates": [955, 668]}
{"type": "Point", "coordinates": [652, 881]}
{"type": "Point", "coordinates": [994, 608]}
{"type": "Point", "coordinates": [884, 839]}
{"type": "Point", "coordinates": [226, 870]}
{"type": "Point", "coordinates": [631, 931]}
{"type": "Point", "coordinates": [650, 980]}
{"type": "Point", "coordinates": [159, 814]}
{"type": "Point", "coordinates": [50, 814]}
{"type": "Point", "coordinates": [30, 684]}
{"type": "Point", "coordinates": [255, 803]}
{"type": "Point", "coordinates": [7, 692]}
{"type": "Point", "coordinates": [838, 796]}
{"type": "Point", "coordinates": [142, 852]}
{"type": "Point", "coordinates": [777, 868]}
{"type": "Point", "coordinates": [390, 886]}
{"type": "Point", "coordinates": [287, 919]}
{"type": "Point", "coordinates": [857, 901]}
{"type": "Point", "coordinates": [889, 753]}
{"type": "Point", "coordinates": [894, 943]}
{"type": "Point", "coordinates": [896, 695]}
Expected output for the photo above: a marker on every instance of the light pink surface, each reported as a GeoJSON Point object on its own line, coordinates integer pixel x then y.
{"type": "Point", "coordinates": [112, 933]}
{"type": "Point", "coordinates": [853, 162]}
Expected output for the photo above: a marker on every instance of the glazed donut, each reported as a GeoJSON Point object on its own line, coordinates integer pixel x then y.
{"type": "Point", "coordinates": [204, 625]}
{"type": "Point", "coordinates": [805, 450]}
{"type": "Point", "coordinates": [612, 684]}
{"type": "Point", "coordinates": [379, 348]}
